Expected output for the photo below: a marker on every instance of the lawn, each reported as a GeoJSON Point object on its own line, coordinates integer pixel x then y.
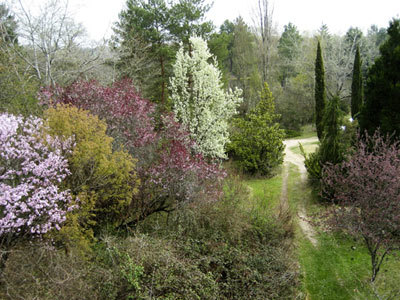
{"type": "Point", "coordinates": [339, 267]}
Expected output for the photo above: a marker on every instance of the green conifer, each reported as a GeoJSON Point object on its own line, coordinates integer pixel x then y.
{"type": "Point", "coordinates": [320, 94]}
{"type": "Point", "coordinates": [356, 86]}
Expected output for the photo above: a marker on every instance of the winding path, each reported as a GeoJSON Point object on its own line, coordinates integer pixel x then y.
{"type": "Point", "coordinates": [298, 160]}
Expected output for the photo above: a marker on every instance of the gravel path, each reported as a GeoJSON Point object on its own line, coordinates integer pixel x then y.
{"type": "Point", "coordinates": [298, 160]}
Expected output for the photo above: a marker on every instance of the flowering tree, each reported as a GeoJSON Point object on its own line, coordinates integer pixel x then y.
{"type": "Point", "coordinates": [200, 103]}
{"type": "Point", "coordinates": [168, 170]}
{"type": "Point", "coordinates": [366, 188]}
{"type": "Point", "coordinates": [31, 170]}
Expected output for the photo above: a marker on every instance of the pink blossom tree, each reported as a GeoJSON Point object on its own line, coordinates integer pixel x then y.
{"type": "Point", "coordinates": [366, 191]}
{"type": "Point", "coordinates": [32, 169]}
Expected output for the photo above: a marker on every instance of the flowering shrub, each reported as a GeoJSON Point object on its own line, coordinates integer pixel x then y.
{"type": "Point", "coordinates": [366, 189]}
{"type": "Point", "coordinates": [32, 167]}
{"type": "Point", "coordinates": [168, 169]}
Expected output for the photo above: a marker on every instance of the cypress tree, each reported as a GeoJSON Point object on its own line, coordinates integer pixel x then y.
{"type": "Point", "coordinates": [320, 95]}
{"type": "Point", "coordinates": [356, 86]}
{"type": "Point", "coordinates": [331, 149]}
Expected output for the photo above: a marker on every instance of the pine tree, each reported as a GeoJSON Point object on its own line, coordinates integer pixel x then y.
{"type": "Point", "coordinates": [356, 86]}
{"type": "Point", "coordinates": [320, 94]}
{"type": "Point", "coordinates": [199, 101]}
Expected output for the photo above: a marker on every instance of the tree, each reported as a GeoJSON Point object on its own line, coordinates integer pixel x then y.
{"type": "Point", "coordinates": [331, 146]}
{"type": "Point", "coordinates": [17, 88]}
{"type": "Point", "coordinates": [52, 40]}
{"type": "Point", "coordinates": [256, 143]}
{"type": "Point", "coordinates": [366, 188]}
{"type": "Point", "coordinates": [245, 65]}
{"type": "Point", "coordinates": [320, 94]}
{"type": "Point", "coordinates": [263, 26]}
{"type": "Point", "coordinates": [220, 45]}
{"type": "Point", "coordinates": [8, 25]}
{"type": "Point", "coordinates": [288, 50]}
{"type": "Point", "coordinates": [200, 103]}
{"type": "Point", "coordinates": [356, 86]}
{"type": "Point", "coordinates": [157, 26]}
{"type": "Point", "coordinates": [382, 95]}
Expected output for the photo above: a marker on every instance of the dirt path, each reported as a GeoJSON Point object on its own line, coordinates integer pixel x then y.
{"type": "Point", "coordinates": [298, 160]}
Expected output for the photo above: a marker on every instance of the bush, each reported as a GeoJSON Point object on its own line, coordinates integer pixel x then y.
{"type": "Point", "coordinates": [366, 188]}
{"type": "Point", "coordinates": [256, 141]}
{"type": "Point", "coordinates": [32, 171]}
{"type": "Point", "coordinates": [104, 181]}
{"type": "Point", "coordinates": [169, 171]}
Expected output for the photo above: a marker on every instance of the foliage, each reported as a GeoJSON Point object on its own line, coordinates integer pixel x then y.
{"type": "Point", "coordinates": [256, 142]}
{"type": "Point", "coordinates": [296, 104]}
{"type": "Point", "coordinates": [320, 94]}
{"type": "Point", "coordinates": [104, 180]}
{"type": "Point", "coordinates": [208, 251]}
{"type": "Point", "coordinates": [220, 45]}
{"type": "Point", "coordinates": [366, 189]}
{"type": "Point", "coordinates": [200, 103]}
{"type": "Point", "coordinates": [245, 65]}
{"type": "Point", "coordinates": [356, 86]}
{"type": "Point", "coordinates": [8, 25]}
{"type": "Point", "coordinates": [32, 170]}
{"type": "Point", "coordinates": [289, 49]}
{"type": "Point", "coordinates": [331, 149]}
{"type": "Point", "coordinates": [17, 90]}
{"type": "Point", "coordinates": [156, 25]}
{"type": "Point", "coordinates": [312, 162]}
{"type": "Point", "coordinates": [382, 108]}
{"type": "Point", "coordinates": [169, 171]}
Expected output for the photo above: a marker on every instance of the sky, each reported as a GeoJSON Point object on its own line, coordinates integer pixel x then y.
{"type": "Point", "coordinates": [97, 16]}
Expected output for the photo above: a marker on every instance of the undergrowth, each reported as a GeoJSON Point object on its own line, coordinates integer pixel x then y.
{"type": "Point", "coordinates": [200, 251]}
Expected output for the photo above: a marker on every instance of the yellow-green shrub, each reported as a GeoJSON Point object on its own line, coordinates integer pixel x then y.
{"type": "Point", "coordinates": [104, 181]}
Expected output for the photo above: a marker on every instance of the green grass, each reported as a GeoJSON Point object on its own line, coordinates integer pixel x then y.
{"type": "Point", "coordinates": [265, 192]}
{"type": "Point", "coordinates": [339, 267]}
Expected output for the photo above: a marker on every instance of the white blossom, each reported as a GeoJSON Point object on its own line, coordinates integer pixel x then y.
{"type": "Point", "coordinates": [200, 102]}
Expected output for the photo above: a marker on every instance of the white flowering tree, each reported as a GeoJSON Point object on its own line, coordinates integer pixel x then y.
{"type": "Point", "coordinates": [200, 102]}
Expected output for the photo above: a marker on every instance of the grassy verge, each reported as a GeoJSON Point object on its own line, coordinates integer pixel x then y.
{"type": "Point", "coordinates": [339, 267]}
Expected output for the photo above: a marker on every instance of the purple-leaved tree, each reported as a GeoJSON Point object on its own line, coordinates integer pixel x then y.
{"type": "Point", "coordinates": [32, 169]}
{"type": "Point", "coordinates": [366, 191]}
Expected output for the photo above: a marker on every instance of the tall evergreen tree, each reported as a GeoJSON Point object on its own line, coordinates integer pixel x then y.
{"type": "Point", "coordinates": [331, 149]}
{"type": "Point", "coordinates": [320, 94]}
{"type": "Point", "coordinates": [159, 26]}
{"type": "Point", "coordinates": [356, 86]}
{"type": "Point", "coordinates": [382, 97]}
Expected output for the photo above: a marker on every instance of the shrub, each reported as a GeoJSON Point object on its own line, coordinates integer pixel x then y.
{"type": "Point", "coordinates": [366, 188]}
{"type": "Point", "coordinates": [103, 180]}
{"type": "Point", "coordinates": [256, 142]}
{"type": "Point", "coordinates": [169, 171]}
{"type": "Point", "coordinates": [32, 170]}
